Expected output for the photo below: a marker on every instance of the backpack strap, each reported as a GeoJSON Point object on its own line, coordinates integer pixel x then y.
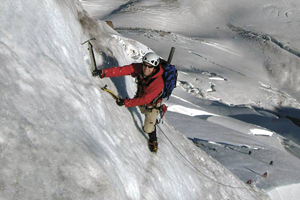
{"type": "Point", "coordinates": [158, 99]}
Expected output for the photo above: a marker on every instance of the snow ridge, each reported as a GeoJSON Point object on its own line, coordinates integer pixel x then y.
{"type": "Point", "coordinates": [264, 37]}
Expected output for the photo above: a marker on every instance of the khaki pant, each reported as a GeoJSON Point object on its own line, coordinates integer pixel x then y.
{"type": "Point", "coordinates": [150, 118]}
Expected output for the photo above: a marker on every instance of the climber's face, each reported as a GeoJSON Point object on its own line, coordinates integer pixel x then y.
{"type": "Point", "coordinates": [147, 69]}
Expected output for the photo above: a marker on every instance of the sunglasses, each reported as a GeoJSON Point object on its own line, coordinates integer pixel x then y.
{"type": "Point", "coordinates": [148, 65]}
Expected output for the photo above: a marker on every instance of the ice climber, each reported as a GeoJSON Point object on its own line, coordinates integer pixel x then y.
{"type": "Point", "coordinates": [150, 87]}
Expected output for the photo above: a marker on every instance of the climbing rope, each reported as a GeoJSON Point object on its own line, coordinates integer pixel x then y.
{"type": "Point", "coordinates": [195, 168]}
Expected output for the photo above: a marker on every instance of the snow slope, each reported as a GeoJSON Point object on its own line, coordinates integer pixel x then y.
{"type": "Point", "coordinates": [63, 138]}
{"type": "Point", "coordinates": [238, 82]}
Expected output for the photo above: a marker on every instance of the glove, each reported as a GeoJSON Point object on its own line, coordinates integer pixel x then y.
{"type": "Point", "coordinates": [97, 72]}
{"type": "Point", "coordinates": [120, 102]}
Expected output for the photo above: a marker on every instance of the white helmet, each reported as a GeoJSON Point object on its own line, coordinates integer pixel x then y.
{"type": "Point", "coordinates": [151, 58]}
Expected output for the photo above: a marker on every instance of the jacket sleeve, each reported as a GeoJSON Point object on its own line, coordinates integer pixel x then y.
{"type": "Point", "coordinates": [121, 71]}
{"type": "Point", "coordinates": [154, 89]}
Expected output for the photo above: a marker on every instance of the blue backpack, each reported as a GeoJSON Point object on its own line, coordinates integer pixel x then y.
{"type": "Point", "coordinates": [170, 78]}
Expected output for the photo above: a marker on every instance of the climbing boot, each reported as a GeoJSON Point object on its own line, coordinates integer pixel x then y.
{"type": "Point", "coordinates": [153, 146]}
{"type": "Point", "coordinates": [152, 143]}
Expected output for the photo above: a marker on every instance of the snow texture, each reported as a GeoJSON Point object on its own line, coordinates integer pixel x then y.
{"type": "Point", "coordinates": [62, 137]}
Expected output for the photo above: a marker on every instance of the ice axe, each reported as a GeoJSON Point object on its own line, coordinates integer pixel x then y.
{"type": "Point", "coordinates": [92, 56]}
{"type": "Point", "coordinates": [110, 92]}
{"type": "Point", "coordinates": [93, 60]}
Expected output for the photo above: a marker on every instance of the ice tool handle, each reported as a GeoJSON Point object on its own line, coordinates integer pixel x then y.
{"type": "Point", "coordinates": [110, 92]}
{"type": "Point", "coordinates": [171, 55]}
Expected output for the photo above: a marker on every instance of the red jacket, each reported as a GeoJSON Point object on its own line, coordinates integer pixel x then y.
{"type": "Point", "coordinates": [149, 88]}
